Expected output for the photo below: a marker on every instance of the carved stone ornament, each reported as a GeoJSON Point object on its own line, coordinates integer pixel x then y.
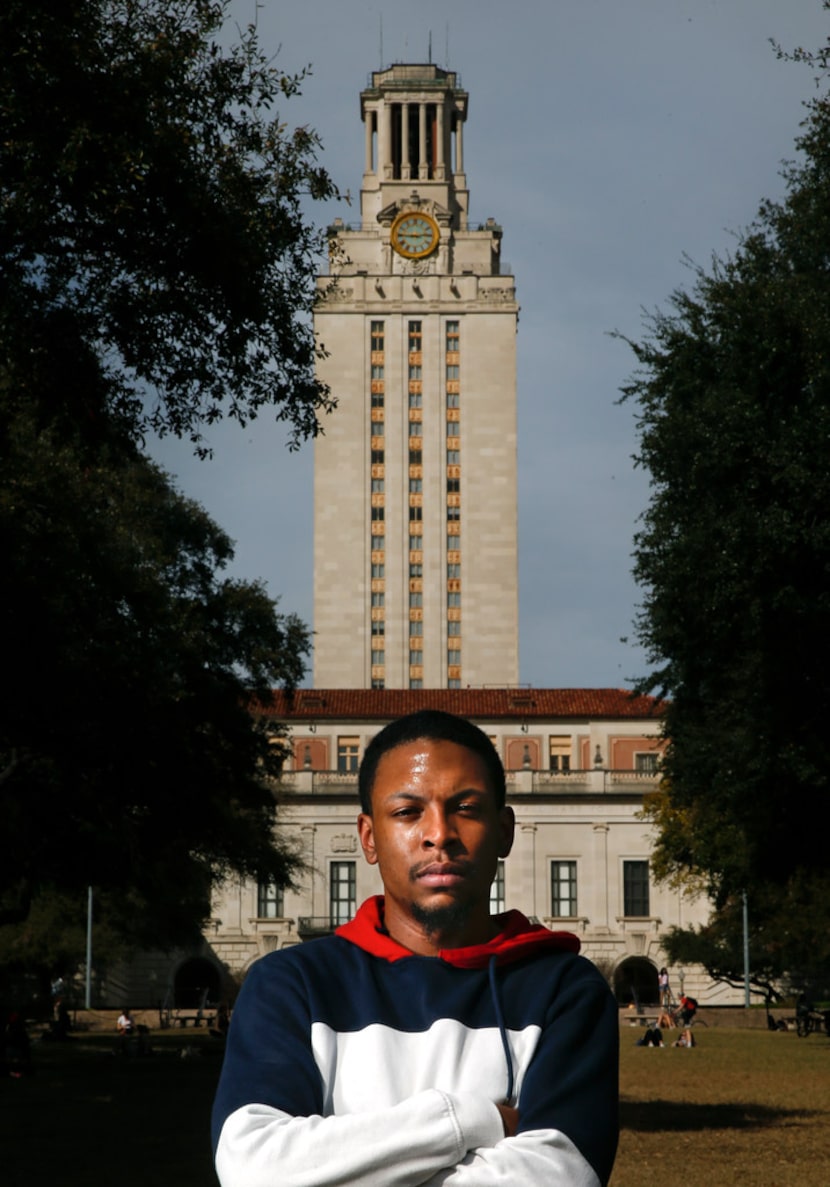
{"type": "Point", "coordinates": [418, 267]}
{"type": "Point", "coordinates": [414, 202]}
{"type": "Point", "coordinates": [344, 843]}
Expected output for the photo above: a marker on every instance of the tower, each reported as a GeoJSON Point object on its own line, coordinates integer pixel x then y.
{"type": "Point", "coordinates": [415, 507]}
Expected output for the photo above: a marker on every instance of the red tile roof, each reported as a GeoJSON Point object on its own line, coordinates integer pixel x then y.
{"type": "Point", "coordinates": [384, 704]}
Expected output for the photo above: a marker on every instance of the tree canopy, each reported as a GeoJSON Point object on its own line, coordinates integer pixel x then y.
{"type": "Point", "coordinates": [733, 552]}
{"type": "Point", "coordinates": [158, 273]}
{"type": "Point", "coordinates": [153, 211]}
{"type": "Point", "coordinates": [131, 758]}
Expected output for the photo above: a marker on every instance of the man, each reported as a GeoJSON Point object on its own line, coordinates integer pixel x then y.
{"type": "Point", "coordinates": [426, 1042]}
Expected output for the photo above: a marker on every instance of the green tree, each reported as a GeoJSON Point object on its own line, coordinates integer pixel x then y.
{"type": "Point", "coordinates": [131, 758]}
{"type": "Point", "coordinates": [733, 555]}
{"type": "Point", "coordinates": [158, 273]}
{"type": "Point", "coordinates": [789, 948]}
{"type": "Point", "coordinates": [153, 212]}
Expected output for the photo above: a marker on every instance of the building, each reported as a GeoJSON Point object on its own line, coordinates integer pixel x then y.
{"type": "Point", "coordinates": [415, 505]}
{"type": "Point", "coordinates": [415, 560]}
{"type": "Point", "coordinates": [579, 763]}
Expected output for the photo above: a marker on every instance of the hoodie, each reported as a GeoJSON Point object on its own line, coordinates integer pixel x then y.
{"type": "Point", "coordinates": [351, 1060]}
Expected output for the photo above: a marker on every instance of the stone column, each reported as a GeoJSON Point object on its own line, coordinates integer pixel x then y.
{"type": "Point", "coordinates": [406, 168]}
{"type": "Point", "coordinates": [385, 141]}
{"type": "Point", "coordinates": [599, 922]}
{"type": "Point", "coordinates": [423, 157]}
{"type": "Point", "coordinates": [440, 173]}
{"type": "Point", "coordinates": [370, 119]}
{"type": "Point", "coordinates": [308, 831]}
{"type": "Point", "coordinates": [525, 853]}
{"type": "Point", "coordinates": [459, 145]}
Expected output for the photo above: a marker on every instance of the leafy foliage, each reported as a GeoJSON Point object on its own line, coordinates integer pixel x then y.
{"type": "Point", "coordinates": [131, 758]}
{"type": "Point", "coordinates": [789, 941]}
{"type": "Point", "coordinates": [733, 554]}
{"type": "Point", "coordinates": [158, 272]}
{"type": "Point", "coordinates": [152, 211]}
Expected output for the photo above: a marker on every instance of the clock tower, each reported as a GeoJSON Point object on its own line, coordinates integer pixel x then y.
{"type": "Point", "coordinates": [415, 510]}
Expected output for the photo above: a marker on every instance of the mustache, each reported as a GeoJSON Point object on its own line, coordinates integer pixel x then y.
{"type": "Point", "coordinates": [460, 868]}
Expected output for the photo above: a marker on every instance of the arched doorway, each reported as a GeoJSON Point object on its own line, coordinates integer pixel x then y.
{"type": "Point", "coordinates": [635, 982]}
{"type": "Point", "coordinates": [196, 982]}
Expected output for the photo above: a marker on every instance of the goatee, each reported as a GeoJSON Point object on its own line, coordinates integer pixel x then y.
{"type": "Point", "coordinates": [434, 920]}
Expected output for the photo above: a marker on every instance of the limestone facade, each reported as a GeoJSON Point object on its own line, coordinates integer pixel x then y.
{"type": "Point", "coordinates": [579, 765]}
{"type": "Point", "coordinates": [415, 494]}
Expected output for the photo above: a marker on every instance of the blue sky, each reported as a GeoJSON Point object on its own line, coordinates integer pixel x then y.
{"type": "Point", "coordinates": [611, 139]}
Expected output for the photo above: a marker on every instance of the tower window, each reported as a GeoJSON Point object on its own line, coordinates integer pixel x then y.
{"type": "Point", "coordinates": [377, 335]}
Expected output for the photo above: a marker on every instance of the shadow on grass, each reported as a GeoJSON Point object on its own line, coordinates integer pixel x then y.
{"type": "Point", "coordinates": [654, 1116]}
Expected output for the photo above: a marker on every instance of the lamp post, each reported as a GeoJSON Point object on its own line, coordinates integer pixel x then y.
{"type": "Point", "coordinates": [88, 995]}
{"type": "Point", "coordinates": [746, 950]}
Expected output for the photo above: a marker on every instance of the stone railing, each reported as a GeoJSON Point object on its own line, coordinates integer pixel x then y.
{"type": "Point", "coordinates": [309, 926]}
{"type": "Point", "coordinates": [594, 781]}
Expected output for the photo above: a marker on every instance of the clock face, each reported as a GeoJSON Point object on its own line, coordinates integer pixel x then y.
{"type": "Point", "coordinates": [414, 235]}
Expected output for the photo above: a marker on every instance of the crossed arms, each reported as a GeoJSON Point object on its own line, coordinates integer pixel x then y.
{"type": "Point", "coordinates": [278, 1122]}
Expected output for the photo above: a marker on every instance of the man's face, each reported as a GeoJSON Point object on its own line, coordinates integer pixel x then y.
{"type": "Point", "coordinates": [436, 835]}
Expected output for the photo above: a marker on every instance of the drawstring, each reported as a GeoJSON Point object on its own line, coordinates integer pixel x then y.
{"type": "Point", "coordinates": [494, 992]}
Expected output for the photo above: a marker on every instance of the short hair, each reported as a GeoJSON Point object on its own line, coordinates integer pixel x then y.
{"type": "Point", "coordinates": [430, 725]}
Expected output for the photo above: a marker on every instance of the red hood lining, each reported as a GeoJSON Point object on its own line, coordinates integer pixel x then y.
{"type": "Point", "coordinates": [517, 938]}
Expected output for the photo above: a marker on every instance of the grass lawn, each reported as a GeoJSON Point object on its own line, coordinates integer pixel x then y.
{"type": "Point", "coordinates": [748, 1107]}
{"type": "Point", "coordinates": [745, 1106]}
{"type": "Point", "coordinates": [89, 1118]}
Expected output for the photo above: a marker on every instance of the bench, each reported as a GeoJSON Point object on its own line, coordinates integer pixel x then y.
{"type": "Point", "coordinates": [196, 1019]}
